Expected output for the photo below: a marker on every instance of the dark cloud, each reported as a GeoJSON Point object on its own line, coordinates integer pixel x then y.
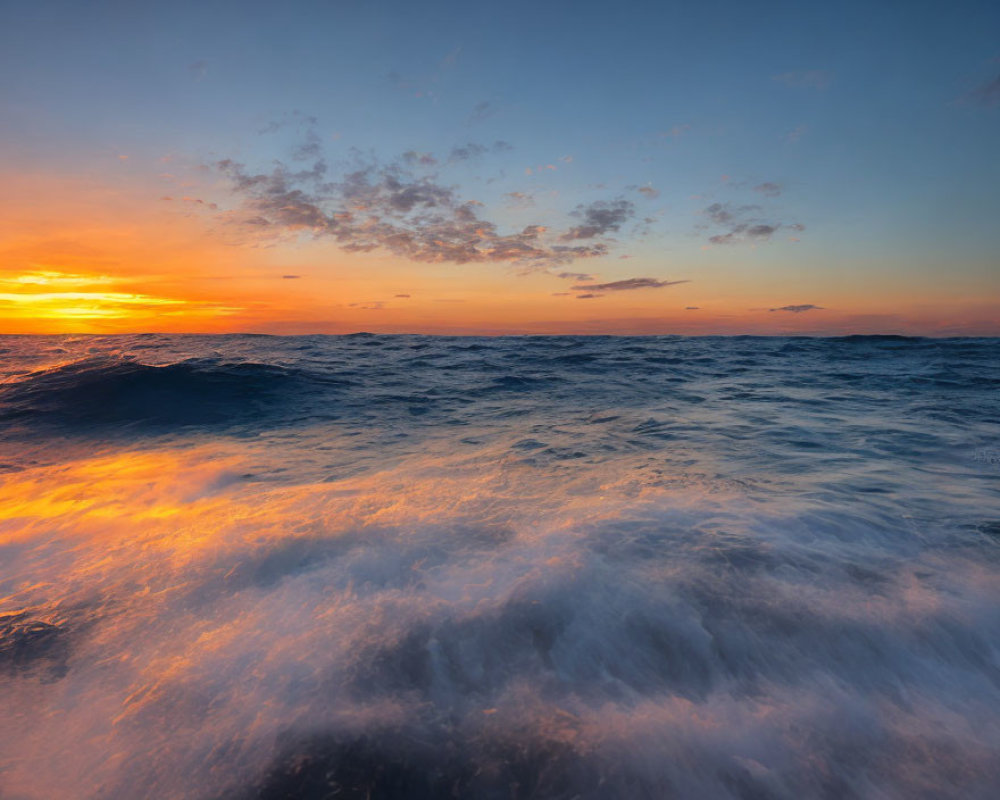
{"type": "Point", "coordinates": [413, 215]}
{"type": "Point", "coordinates": [588, 296]}
{"type": "Point", "coordinates": [692, 308]}
{"type": "Point", "coordinates": [798, 309]}
{"type": "Point", "coordinates": [768, 189]}
{"type": "Point", "coordinates": [743, 225]}
{"type": "Point", "coordinates": [599, 219]}
{"type": "Point", "coordinates": [626, 285]}
{"type": "Point", "coordinates": [291, 277]}
{"type": "Point", "coordinates": [575, 276]}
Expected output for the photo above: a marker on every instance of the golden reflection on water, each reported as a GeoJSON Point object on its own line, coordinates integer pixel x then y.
{"type": "Point", "coordinates": [202, 604]}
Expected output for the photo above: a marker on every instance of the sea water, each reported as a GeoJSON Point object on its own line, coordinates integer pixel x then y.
{"type": "Point", "coordinates": [521, 567]}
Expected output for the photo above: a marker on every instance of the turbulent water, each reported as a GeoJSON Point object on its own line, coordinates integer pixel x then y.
{"type": "Point", "coordinates": [525, 567]}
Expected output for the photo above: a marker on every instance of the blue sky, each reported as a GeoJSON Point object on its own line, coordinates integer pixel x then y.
{"type": "Point", "coordinates": [871, 127]}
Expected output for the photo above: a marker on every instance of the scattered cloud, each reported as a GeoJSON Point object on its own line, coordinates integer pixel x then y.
{"type": "Point", "coordinates": [292, 118]}
{"type": "Point", "coordinates": [404, 296]}
{"type": "Point", "coordinates": [743, 225]}
{"type": "Point", "coordinates": [466, 152]}
{"type": "Point", "coordinates": [575, 276]}
{"type": "Point", "coordinates": [768, 189]}
{"type": "Point", "coordinates": [588, 296]}
{"type": "Point", "coordinates": [798, 309]}
{"type": "Point", "coordinates": [647, 191]}
{"type": "Point", "coordinates": [371, 305]}
{"type": "Point", "coordinates": [805, 79]}
{"type": "Point", "coordinates": [627, 285]}
{"type": "Point", "coordinates": [482, 111]}
{"type": "Point", "coordinates": [599, 219]}
{"type": "Point", "coordinates": [412, 159]}
{"type": "Point", "coordinates": [561, 294]}
{"type": "Point", "coordinates": [692, 308]}
{"type": "Point", "coordinates": [414, 215]}
{"type": "Point", "coordinates": [290, 277]}
{"type": "Point", "coordinates": [520, 200]}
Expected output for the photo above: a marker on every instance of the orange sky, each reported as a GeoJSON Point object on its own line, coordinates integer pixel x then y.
{"type": "Point", "coordinates": [131, 251]}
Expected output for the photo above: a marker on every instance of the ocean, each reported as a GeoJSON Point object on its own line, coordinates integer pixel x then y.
{"type": "Point", "coordinates": [376, 566]}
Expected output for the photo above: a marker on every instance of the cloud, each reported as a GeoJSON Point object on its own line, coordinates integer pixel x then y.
{"type": "Point", "coordinates": [627, 285]}
{"type": "Point", "coordinates": [412, 158]}
{"type": "Point", "coordinates": [377, 206]}
{"type": "Point", "coordinates": [467, 152]}
{"type": "Point", "coordinates": [370, 305]}
{"type": "Point", "coordinates": [519, 200]}
{"type": "Point", "coordinates": [692, 308]}
{"type": "Point", "coordinates": [401, 295]}
{"type": "Point", "coordinates": [798, 309]}
{"type": "Point", "coordinates": [805, 79]}
{"type": "Point", "coordinates": [768, 189]}
{"type": "Point", "coordinates": [648, 191]}
{"type": "Point", "coordinates": [742, 224]}
{"type": "Point", "coordinates": [575, 276]}
{"type": "Point", "coordinates": [290, 277]}
{"type": "Point", "coordinates": [296, 118]}
{"type": "Point", "coordinates": [588, 296]}
{"type": "Point", "coordinates": [482, 111]}
{"type": "Point", "coordinates": [599, 219]}
{"type": "Point", "coordinates": [987, 94]}
{"type": "Point", "coordinates": [560, 294]}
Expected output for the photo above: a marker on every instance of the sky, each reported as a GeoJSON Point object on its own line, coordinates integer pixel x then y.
{"type": "Point", "coordinates": [555, 167]}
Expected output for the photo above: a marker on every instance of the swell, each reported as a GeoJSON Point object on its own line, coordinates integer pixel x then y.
{"type": "Point", "coordinates": [105, 391]}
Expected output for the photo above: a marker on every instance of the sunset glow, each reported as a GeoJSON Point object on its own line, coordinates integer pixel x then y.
{"type": "Point", "coordinates": [437, 193]}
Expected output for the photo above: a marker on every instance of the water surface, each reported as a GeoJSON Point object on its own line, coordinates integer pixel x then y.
{"type": "Point", "coordinates": [550, 567]}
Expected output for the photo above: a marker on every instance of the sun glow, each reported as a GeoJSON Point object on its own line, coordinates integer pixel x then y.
{"type": "Point", "coordinates": [53, 295]}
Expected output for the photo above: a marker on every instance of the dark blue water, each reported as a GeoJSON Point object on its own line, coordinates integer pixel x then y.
{"type": "Point", "coordinates": [409, 566]}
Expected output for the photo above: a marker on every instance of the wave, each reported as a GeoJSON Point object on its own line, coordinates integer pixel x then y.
{"type": "Point", "coordinates": [481, 632]}
{"type": "Point", "coordinates": [117, 391]}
